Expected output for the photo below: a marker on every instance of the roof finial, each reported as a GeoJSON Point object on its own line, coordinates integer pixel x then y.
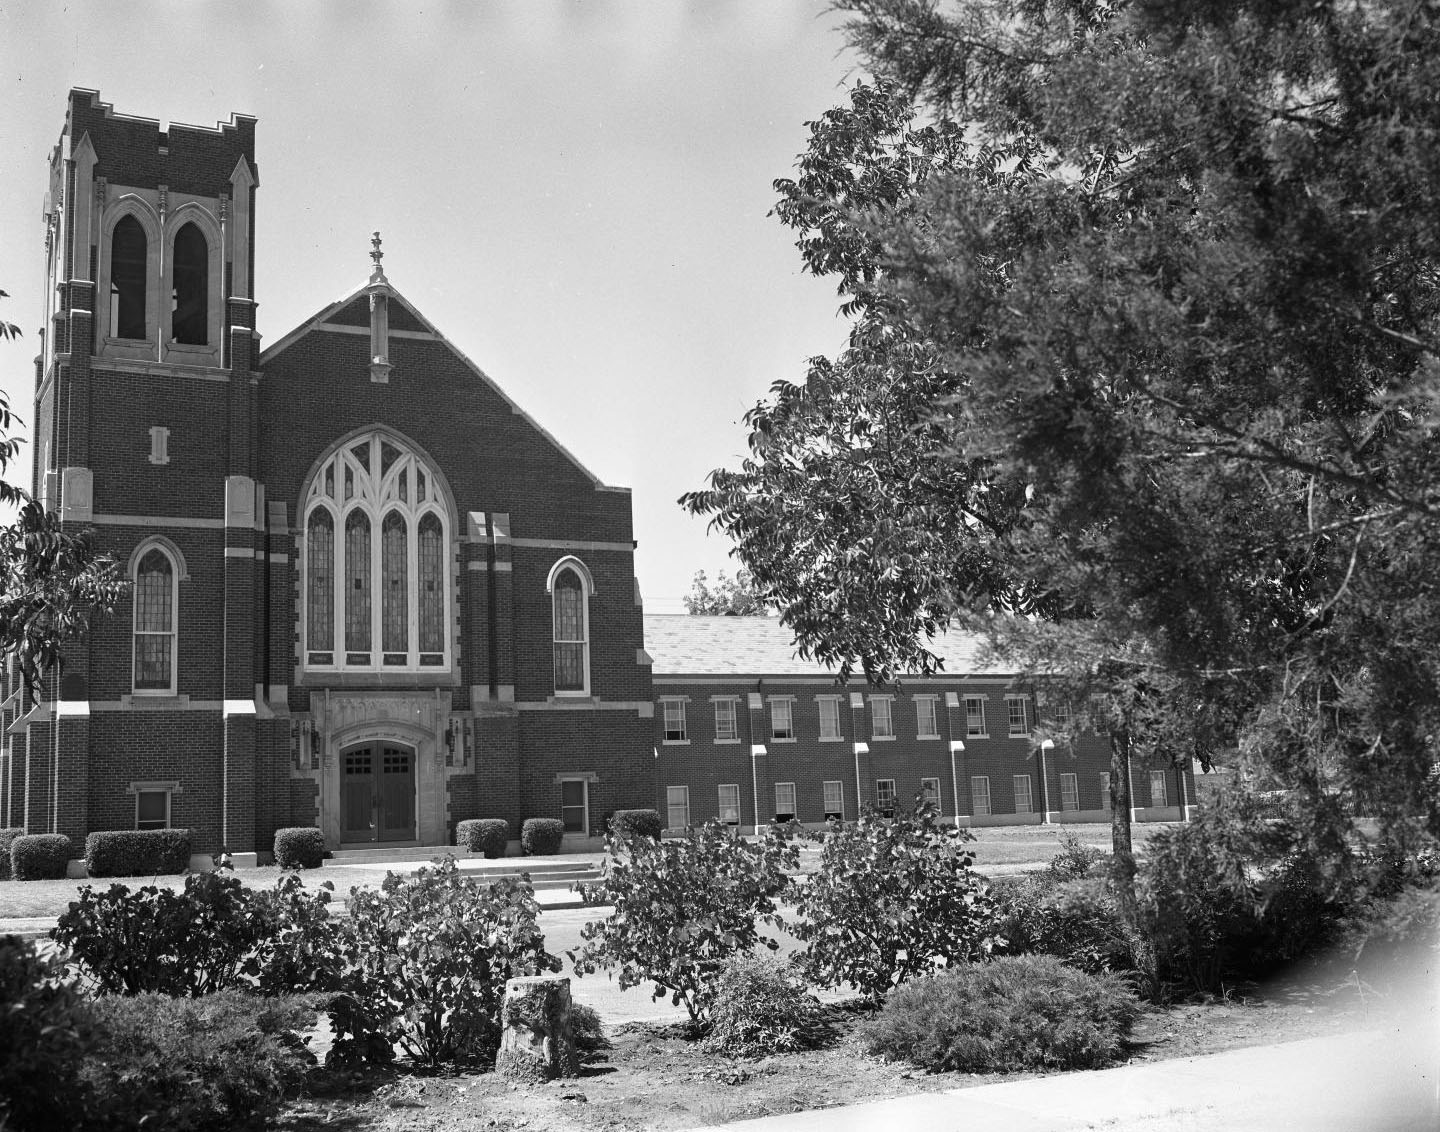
{"type": "Point", "coordinates": [376, 255]}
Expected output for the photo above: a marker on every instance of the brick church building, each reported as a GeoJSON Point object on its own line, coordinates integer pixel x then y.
{"type": "Point", "coordinates": [351, 607]}
{"type": "Point", "coordinates": [369, 594]}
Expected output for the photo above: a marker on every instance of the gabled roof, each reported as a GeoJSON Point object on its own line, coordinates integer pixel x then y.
{"type": "Point", "coordinates": [682, 645]}
{"type": "Point", "coordinates": [339, 316]}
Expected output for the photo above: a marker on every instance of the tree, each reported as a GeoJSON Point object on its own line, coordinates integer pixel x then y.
{"type": "Point", "coordinates": [731, 597]}
{"type": "Point", "coordinates": [1144, 345]}
{"type": "Point", "coordinates": [55, 581]}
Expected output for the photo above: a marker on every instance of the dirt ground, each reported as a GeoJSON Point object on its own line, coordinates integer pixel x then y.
{"type": "Point", "coordinates": [654, 1078]}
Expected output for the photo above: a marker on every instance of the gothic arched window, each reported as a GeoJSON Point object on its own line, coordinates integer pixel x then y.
{"type": "Point", "coordinates": [156, 614]}
{"type": "Point", "coordinates": [570, 590]}
{"type": "Point", "coordinates": [190, 274]}
{"type": "Point", "coordinates": [391, 605]}
{"type": "Point", "coordinates": [128, 267]}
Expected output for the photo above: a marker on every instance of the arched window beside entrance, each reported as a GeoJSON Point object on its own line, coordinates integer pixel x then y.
{"type": "Point", "coordinates": [154, 574]}
{"type": "Point", "coordinates": [378, 596]}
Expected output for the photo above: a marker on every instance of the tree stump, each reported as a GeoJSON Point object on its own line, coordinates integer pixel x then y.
{"type": "Point", "coordinates": [535, 1040]}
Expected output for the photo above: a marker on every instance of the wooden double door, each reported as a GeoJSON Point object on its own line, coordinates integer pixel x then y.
{"type": "Point", "coordinates": [377, 793]}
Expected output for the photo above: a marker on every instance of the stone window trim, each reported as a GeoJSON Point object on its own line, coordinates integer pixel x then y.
{"type": "Point", "coordinates": [975, 725]}
{"type": "Point", "coordinates": [159, 444]}
{"type": "Point", "coordinates": [882, 719]}
{"type": "Point", "coordinates": [133, 205]}
{"type": "Point", "coordinates": [210, 351]}
{"type": "Point", "coordinates": [782, 718]}
{"type": "Point", "coordinates": [178, 574]}
{"type": "Point", "coordinates": [572, 565]}
{"type": "Point", "coordinates": [676, 731]}
{"type": "Point", "coordinates": [377, 498]}
{"type": "Point", "coordinates": [927, 728]}
{"type": "Point", "coordinates": [726, 708]}
{"type": "Point", "coordinates": [140, 790]}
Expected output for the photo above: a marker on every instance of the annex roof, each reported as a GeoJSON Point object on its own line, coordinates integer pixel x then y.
{"type": "Point", "coordinates": [684, 645]}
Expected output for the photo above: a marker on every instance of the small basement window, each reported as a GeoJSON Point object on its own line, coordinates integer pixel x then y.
{"type": "Point", "coordinates": [152, 809]}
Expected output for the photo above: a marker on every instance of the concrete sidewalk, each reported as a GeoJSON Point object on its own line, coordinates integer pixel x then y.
{"type": "Point", "coordinates": [1377, 1081]}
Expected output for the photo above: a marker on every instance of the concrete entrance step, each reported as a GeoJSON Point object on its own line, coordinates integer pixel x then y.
{"type": "Point", "coordinates": [424, 854]}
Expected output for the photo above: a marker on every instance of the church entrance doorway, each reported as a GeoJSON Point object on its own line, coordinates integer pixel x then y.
{"type": "Point", "coordinates": [377, 793]}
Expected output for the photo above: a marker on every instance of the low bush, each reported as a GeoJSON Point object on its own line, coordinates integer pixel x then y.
{"type": "Point", "coordinates": [760, 1008]}
{"type": "Point", "coordinates": [299, 847]}
{"type": "Point", "coordinates": [541, 837]}
{"type": "Point", "coordinates": [40, 856]}
{"type": "Point", "coordinates": [430, 955]}
{"type": "Point", "coordinates": [1077, 920]}
{"type": "Point", "coordinates": [892, 899]}
{"type": "Point", "coordinates": [225, 1061]}
{"type": "Point", "coordinates": [1075, 861]}
{"type": "Point", "coordinates": [483, 835]}
{"type": "Point", "coordinates": [137, 852]}
{"type": "Point", "coordinates": [213, 934]}
{"type": "Point", "coordinates": [586, 1029]}
{"type": "Point", "coordinates": [7, 838]}
{"type": "Point", "coordinates": [1027, 1012]}
{"type": "Point", "coordinates": [637, 823]}
{"type": "Point", "coordinates": [43, 1037]}
{"type": "Point", "coordinates": [680, 908]}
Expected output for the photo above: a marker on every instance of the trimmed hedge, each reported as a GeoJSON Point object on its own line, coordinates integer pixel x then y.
{"type": "Point", "coordinates": [541, 837]}
{"type": "Point", "coordinates": [483, 835]}
{"type": "Point", "coordinates": [299, 847]}
{"type": "Point", "coordinates": [1023, 1012]}
{"type": "Point", "coordinates": [137, 852]}
{"type": "Point", "coordinates": [637, 823]}
{"type": "Point", "coordinates": [7, 837]}
{"type": "Point", "coordinates": [40, 856]}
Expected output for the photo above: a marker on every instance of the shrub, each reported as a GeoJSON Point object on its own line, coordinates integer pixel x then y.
{"type": "Point", "coordinates": [586, 1029]}
{"type": "Point", "coordinates": [7, 838]}
{"type": "Point", "coordinates": [483, 835]}
{"type": "Point", "coordinates": [1075, 860]}
{"type": "Point", "coordinates": [681, 908]}
{"type": "Point", "coordinates": [1075, 920]}
{"type": "Point", "coordinates": [760, 1008]}
{"type": "Point", "coordinates": [1029, 1012]}
{"type": "Point", "coordinates": [214, 934]}
{"type": "Point", "coordinates": [39, 856]}
{"type": "Point", "coordinates": [541, 837]}
{"type": "Point", "coordinates": [299, 847]}
{"type": "Point", "coordinates": [42, 1040]}
{"type": "Point", "coordinates": [637, 823]}
{"type": "Point", "coordinates": [137, 852]}
{"type": "Point", "coordinates": [431, 954]}
{"type": "Point", "coordinates": [220, 1062]}
{"type": "Point", "coordinates": [892, 898]}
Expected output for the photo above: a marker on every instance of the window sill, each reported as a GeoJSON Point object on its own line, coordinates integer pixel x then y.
{"type": "Point", "coordinates": [927, 737]}
{"type": "Point", "coordinates": [981, 735]}
{"type": "Point", "coordinates": [727, 742]}
{"type": "Point", "coordinates": [780, 739]}
{"type": "Point", "coordinates": [674, 742]}
{"type": "Point", "coordinates": [832, 739]}
{"type": "Point", "coordinates": [391, 678]}
{"type": "Point", "coordinates": [882, 738]}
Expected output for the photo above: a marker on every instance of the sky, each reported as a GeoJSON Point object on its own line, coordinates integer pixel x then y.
{"type": "Point", "coordinates": [574, 192]}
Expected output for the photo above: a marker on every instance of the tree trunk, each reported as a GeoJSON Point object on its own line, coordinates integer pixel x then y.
{"type": "Point", "coordinates": [535, 1041]}
{"type": "Point", "coordinates": [1122, 873]}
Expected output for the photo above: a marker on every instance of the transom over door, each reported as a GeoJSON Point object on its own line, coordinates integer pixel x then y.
{"type": "Point", "coordinates": [377, 793]}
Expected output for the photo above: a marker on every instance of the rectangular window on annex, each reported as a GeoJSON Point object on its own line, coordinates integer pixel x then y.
{"type": "Point", "coordinates": [782, 723]}
{"type": "Point", "coordinates": [727, 730]}
{"type": "Point", "coordinates": [574, 812]}
{"type": "Point", "coordinates": [730, 803]}
{"type": "Point", "coordinates": [1105, 790]}
{"type": "Point", "coordinates": [152, 809]}
{"type": "Point", "coordinates": [1157, 788]}
{"type": "Point", "coordinates": [882, 722]}
{"type": "Point", "coordinates": [926, 725]}
{"type": "Point", "coordinates": [829, 717]}
{"type": "Point", "coordinates": [885, 796]}
{"type": "Point", "coordinates": [1069, 792]}
{"type": "Point", "coordinates": [1023, 803]}
{"type": "Point", "coordinates": [674, 720]}
{"type": "Point", "coordinates": [975, 716]}
{"type": "Point", "coordinates": [835, 799]}
{"type": "Point", "coordinates": [1015, 707]}
{"type": "Point", "coordinates": [980, 795]}
{"type": "Point", "coordinates": [930, 792]}
{"type": "Point", "coordinates": [784, 801]}
{"type": "Point", "coordinates": [677, 807]}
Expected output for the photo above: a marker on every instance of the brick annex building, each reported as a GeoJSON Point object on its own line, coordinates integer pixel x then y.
{"type": "Point", "coordinates": [355, 610]}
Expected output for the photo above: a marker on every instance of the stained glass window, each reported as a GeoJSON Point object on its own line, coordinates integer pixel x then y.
{"type": "Point", "coordinates": [154, 622]}
{"type": "Point", "coordinates": [432, 585]}
{"type": "Point", "coordinates": [357, 582]}
{"type": "Point", "coordinates": [569, 612]}
{"type": "Point", "coordinates": [396, 593]}
{"type": "Point", "coordinates": [320, 581]}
